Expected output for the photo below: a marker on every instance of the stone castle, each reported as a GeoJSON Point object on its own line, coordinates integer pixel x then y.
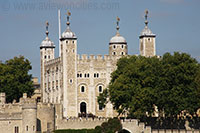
{"type": "Point", "coordinates": [70, 85]}
{"type": "Point", "coordinates": [75, 81]}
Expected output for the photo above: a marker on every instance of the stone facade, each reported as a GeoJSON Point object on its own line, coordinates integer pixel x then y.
{"type": "Point", "coordinates": [75, 81]}
{"type": "Point", "coordinates": [18, 117]}
{"type": "Point", "coordinates": [27, 116]}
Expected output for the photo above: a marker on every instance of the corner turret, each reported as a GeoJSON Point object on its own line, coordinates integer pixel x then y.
{"type": "Point", "coordinates": [118, 44]}
{"type": "Point", "coordinates": [147, 40]}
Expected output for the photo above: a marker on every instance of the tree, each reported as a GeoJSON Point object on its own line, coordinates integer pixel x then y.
{"type": "Point", "coordinates": [132, 85]}
{"type": "Point", "coordinates": [178, 90]}
{"type": "Point", "coordinates": [112, 126]}
{"type": "Point", "coordinates": [140, 84]}
{"type": "Point", "coordinates": [14, 78]}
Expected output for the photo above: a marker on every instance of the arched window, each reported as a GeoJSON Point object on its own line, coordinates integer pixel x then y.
{"type": "Point", "coordinates": [83, 108]}
{"type": "Point", "coordinates": [100, 89]}
{"type": "Point", "coordinates": [82, 88]}
{"type": "Point", "coordinates": [114, 53]}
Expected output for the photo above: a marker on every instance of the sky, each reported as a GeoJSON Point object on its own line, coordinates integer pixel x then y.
{"type": "Point", "coordinates": [22, 26]}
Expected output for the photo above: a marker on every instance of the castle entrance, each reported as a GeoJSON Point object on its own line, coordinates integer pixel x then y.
{"type": "Point", "coordinates": [83, 108]}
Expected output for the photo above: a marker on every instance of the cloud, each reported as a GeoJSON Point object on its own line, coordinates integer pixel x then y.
{"type": "Point", "coordinates": [173, 1]}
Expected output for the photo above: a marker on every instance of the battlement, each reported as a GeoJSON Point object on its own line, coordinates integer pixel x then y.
{"type": "Point", "coordinates": [99, 57]}
{"type": "Point", "coordinates": [11, 116]}
{"type": "Point", "coordinates": [44, 105]}
{"type": "Point", "coordinates": [53, 61]}
{"type": "Point", "coordinates": [78, 119]}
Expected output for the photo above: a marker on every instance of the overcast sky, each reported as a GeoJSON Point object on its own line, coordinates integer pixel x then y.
{"type": "Point", "coordinates": [22, 25]}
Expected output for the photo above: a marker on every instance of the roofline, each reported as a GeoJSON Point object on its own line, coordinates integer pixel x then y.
{"type": "Point", "coordinates": [117, 43]}
{"type": "Point", "coordinates": [141, 36]}
{"type": "Point", "coordinates": [74, 38]}
{"type": "Point", "coordinates": [47, 47]}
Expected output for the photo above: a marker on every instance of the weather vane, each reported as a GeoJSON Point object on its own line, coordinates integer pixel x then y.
{"type": "Point", "coordinates": [47, 25]}
{"type": "Point", "coordinates": [118, 19]}
{"type": "Point", "coordinates": [68, 14]}
{"type": "Point", "coordinates": [146, 16]}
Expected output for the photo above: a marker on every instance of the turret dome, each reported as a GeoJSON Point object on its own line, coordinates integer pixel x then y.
{"type": "Point", "coordinates": [117, 39]}
{"type": "Point", "coordinates": [47, 43]}
{"type": "Point", "coordinates": [68, 34]}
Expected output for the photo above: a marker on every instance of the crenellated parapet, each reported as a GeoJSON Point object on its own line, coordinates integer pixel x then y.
{"type": "Point", "coordinates": [53, 61]}
{"type": "Point", "coordinates": [85, 57]}
{"type": "Point", "coordinates": [11, 116]}
{"type": "Point", "coordinates": [80, 119]}
{"type": "Point", "coordinates": [44, 105]}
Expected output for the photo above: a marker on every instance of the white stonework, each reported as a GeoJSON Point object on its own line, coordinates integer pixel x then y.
{"type": "Point", "coordinates": [74, 80]}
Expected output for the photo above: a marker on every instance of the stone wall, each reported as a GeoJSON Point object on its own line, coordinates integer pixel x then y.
{"type": "Point", "coordinates": [174, 131]}
{"type": "Point", "coordinates": [45, 117]}
{"type": "Point", "coordinates": [19, 117]}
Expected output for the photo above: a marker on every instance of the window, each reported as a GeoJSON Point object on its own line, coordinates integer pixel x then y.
{"type": "Point", "coordinates": [26, 128]}
{"type": "Point", "coordinates": [82, 88]}
{"type": "Point", "coordinates": [88, 75]}
{"type": "Point", "coordinates": [77, 75]}
{"type": "Point", "coordinates": [95, 75]}
{"type": "Point", "coordinates": [114, 46]}
{"type": "Point", "coordinates": [49, 56]}
{"type": "Point", "coordinates": [122, 53]}
{"type": "Point", "coordinates": [72, 41]}
{"type": "Point", "coordinates": [16, 129]}
{"type": "Point", "coordinates": [100, 89]}
{"type": "Point", "coordinates": [122, 46]}
{"type": "Point", "coordinates": [80, 75]}
{"type": "Point", "coordinates": [33, 128]}
{"type": "Point", "coordinates": [85, 75]}
{"type": "Point", "coordinates": [70, 81]}
{"type": "Point", "coordinates": [149, 39]}
{"type": "Point", "coordinates": [100, 107]}
{"type": "Point", "coordinates": [66, 41]}
{"type": "Point", "coordinates": [114, 53]}
{"type": "Point", "coordinates": [45, 56]}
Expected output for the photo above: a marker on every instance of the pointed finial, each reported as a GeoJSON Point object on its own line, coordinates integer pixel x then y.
{"type": "Point", "coordinates": [47, 27]}
{"type": "Point", "coordinates": [146, 16]}
{"type": "Point", "coordinates": [68, 15]}
{"type": "Point", "coordinates": [118, 19]}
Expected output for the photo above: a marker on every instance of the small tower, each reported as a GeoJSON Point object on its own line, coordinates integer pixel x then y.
{"type": "Point", "coordinates": [29, 114]}
{"type": "Point", "coordinates": [69, 62]}
{"type": "Point", "coordinates": [147, 40]}
{"type": "Point", "coordinates": [118, 44]}
{"type": "Point", "coordinates": [2, 98]}
{"type": "Point", "coordinates": [46, 53]}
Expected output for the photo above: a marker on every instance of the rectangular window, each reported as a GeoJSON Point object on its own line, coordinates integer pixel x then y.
{"type": "Point", "coordinates": [26, 128]}
{"type": "Point", "coordinates": [100, 107]}
{"type": "Point", "coordinates": [16, 129]}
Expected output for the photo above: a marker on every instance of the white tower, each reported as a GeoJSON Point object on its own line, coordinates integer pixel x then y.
{"type": "Point", "coordinates": [118, 44]}
{"type": "Point", "coordinates": [147, 40]}
{"type": "Point", "coordinates": [69, 64]}
{"type": "Point", "coordinates": [46, 53]}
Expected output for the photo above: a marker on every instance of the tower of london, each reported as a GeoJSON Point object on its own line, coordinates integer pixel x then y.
{"type": "Point", "coordinates": [74, 80]}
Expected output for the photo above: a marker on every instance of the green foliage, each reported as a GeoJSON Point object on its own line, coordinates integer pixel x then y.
{"type": "Point", "coordinates": [171, 83]}
{"type": "Point", "coordinates": [14, 78]}
{"type": "Point", "coordinates": [112, 126]}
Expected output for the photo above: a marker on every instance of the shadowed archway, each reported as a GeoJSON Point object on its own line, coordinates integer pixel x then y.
{"type": "Point", "coordinates": [124, 131]}
{"type": "Point", "coordinates": [83, 108]}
